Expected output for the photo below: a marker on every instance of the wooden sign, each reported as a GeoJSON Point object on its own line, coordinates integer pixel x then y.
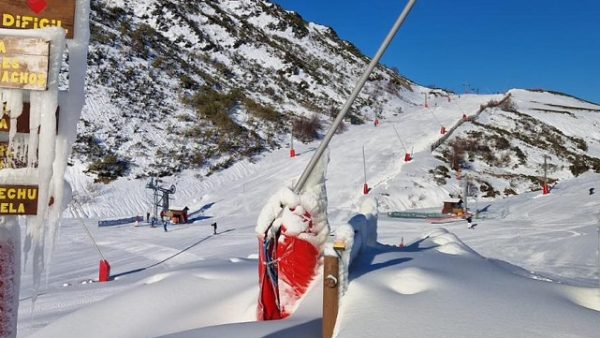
{"type": "Point", "coordinates": [18, 199]}
{"type": "Point", "coordinates": [22, 120]}
{"type": "Point", "coordinates": [8, 160]}
{"type": "Point", "coordinates": [24, 63]}
{"type": "Point", "coordinates": [34, 14]}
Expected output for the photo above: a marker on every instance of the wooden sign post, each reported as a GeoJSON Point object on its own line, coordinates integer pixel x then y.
{"type": "Point", "coordinates": [35, 14]}
{"type": "Point", "coordinates": [34, 145]}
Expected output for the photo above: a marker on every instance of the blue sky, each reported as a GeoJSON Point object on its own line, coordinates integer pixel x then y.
{"type": "Point", "coordinates": [487, 45]}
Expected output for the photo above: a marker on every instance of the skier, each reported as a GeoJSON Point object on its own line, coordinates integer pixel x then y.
{"type": "Point", "coordinates": [165, 225]}
{"type": "Point", "coordinates": [147, 216]}
{"type": "Point", "coordinates": [591, 191]}
{"type": "Point", "coordinates": [469, 224]}
{"type": "Point", "coordinates": [214, 225]}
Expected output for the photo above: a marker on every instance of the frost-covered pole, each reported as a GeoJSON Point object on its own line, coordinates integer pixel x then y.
{"type": "Point", "coordinates": [359, 85]}
{"type": "Point", "coordinates": [10, 262]}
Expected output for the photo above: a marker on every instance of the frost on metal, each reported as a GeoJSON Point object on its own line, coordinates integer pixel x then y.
{"type": "Point", "coordinates": [9, 275]}
{"type": "Point", "coordinates": [292, 230]}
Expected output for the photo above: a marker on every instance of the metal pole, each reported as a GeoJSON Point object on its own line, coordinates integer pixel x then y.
{"type": "Point", "coordinates": [364, 164]}
{"type": "Point", "coordinates": [400, 139]}
{"type": "Point", "coordinates": [76, 205]}
{"type": "Point", "coordinates": [359, 85]}
{"type": "Point", "coordinates": [545, 171]}
{"type": "Point", "coordinates": [466, 192]}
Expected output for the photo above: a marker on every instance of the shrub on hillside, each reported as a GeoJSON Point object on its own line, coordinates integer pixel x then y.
{"type": "Point", "coordinates": [578, 167]}
{"type": "Point", "coordinates": [509, 106]}
{"type": "Point", "coordinates": [216, 107]}
{"type": "Point", "coordinates": [487, 188]}
{"type": "Point", "coordinates": [263, 112]}
{"type": "Point", "coordinates": [306, 130]}
{"type": "Point", "coordinates": [109, 168]}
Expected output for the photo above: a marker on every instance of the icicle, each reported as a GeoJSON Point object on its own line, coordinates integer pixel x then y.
{"type": "Point", "coordinates": [43, 106]}
{"type": "Point", "coordinates": [35, 112]}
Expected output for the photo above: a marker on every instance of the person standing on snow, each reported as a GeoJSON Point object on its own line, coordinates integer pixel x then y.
{"type": "Point", "coordinates": [469, 224]}
{"type": "Point", "coordinates": [214, 225]}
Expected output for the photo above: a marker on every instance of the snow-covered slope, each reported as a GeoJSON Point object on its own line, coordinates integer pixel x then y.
{"type": "Point", "coordinates": [202, 84]}
{"type": "Point", "coordinates": [188, 283]}
{"type": "Point", "coordinates": [183, 274]}
{"type": "Point", "coordinates": [502, 151]}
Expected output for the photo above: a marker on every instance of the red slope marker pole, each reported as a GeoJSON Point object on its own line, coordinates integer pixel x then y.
{"type": "Point", "coordinates": [365, 186]}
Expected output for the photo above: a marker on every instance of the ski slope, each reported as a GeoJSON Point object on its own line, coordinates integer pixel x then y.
{"type": "Point", "coordinates": [538, 252]}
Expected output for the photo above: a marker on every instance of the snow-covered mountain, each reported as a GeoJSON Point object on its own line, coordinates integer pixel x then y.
{"type": "Point", "coordinates": [201, 84]}
{"type": "Point", "coordinates": [176, 85]}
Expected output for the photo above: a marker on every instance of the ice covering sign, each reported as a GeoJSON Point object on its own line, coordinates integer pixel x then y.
{"type": "Point", "coordinates": [35, 14]}
{"type": "Point", "coordinates": [24, 63]}
{"type": "Point", "coordinates": [18, 199]}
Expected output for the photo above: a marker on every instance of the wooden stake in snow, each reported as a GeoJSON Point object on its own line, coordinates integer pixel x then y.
{"type": "Point", "coordinates": [330, 294]}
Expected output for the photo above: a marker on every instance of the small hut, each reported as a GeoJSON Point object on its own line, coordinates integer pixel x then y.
{"type": "Point", "coordinates": [453, 207]}
{"type": "Point", "coordinates": [177, 215]}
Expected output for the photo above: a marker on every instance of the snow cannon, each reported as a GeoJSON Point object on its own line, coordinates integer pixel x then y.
{"type": "Point", "coordinates": [407, 157]}
{"type": "Point", "coordinates": [546, 189]}
{"type": "Point", "coordinates": [104, 271]}
{"type": "Point", "coordinates": [292, 229]}
{"type": "Point", "coordinates": [443, 130]}
{"type": "Point", "coordinates": [366, 189]}
{"type": "Point", "coordinates": [287, 266]}
{"type": "Point", "coordinates": [292, 153]}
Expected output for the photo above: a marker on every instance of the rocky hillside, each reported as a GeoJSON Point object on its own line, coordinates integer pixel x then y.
{"type": "Point", "coordinates": [177, 84]}
{"type": "Point", "coordinates": [503, 151]}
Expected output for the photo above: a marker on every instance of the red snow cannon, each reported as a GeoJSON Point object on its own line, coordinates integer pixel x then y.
{"type": "Point", "coordinates": [104, 274]}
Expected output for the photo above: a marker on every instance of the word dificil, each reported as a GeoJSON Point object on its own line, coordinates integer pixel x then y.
{"type": "Point", "coordinates": [28, 22]}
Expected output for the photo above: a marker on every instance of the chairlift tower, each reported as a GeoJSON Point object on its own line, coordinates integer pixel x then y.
{"type": "Point", "coordinates": [160, 197]}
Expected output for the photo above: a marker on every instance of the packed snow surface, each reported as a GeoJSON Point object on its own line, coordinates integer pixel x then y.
{"type": "Point", "coordinates": [527, 269]}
